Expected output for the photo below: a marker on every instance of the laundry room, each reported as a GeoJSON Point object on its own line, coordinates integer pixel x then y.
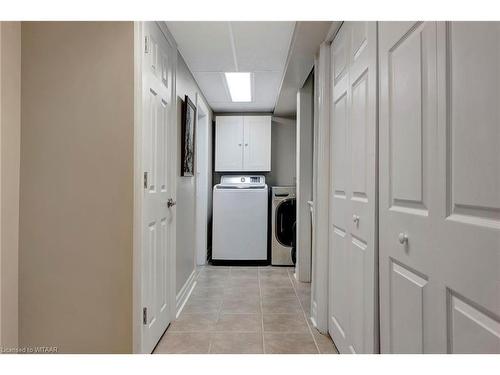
{"type": "Point", "coordinates": [279, 177]}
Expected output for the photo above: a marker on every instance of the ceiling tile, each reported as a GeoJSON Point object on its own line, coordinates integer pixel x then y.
{"type": "Point", "coordinates": [262, 45]}
{"type": "Point", "coordinates": [259, 47]}
{"type": "Point", "coordinates": [212, 85]}
{"type": "Point", "coordinates": [205, 46]}
{"type": "Point", "coordinates": [266, 87]}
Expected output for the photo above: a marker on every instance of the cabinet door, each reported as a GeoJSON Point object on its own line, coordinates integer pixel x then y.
{"type": "Point", "coordinates": [229, 143]}
{"type": "Point", "coordinates": [257, 143]}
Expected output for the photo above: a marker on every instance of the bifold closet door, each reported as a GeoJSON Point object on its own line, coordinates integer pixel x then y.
{"type": "Point", "coordinates": [439, 187]}
{"type": "Point", "coordinates": [353, 307]}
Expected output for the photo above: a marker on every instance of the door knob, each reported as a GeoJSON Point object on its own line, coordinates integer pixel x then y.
{"type": "Point", "coordinates": [171, 202]}
{"type": "Point", "coordinates": [355, 218]}
{"type": "Point", "coordinates": [403, 238]}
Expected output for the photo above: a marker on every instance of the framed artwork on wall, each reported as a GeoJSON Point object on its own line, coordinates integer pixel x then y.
{"type": "Point", "coordinates": [188, 134]}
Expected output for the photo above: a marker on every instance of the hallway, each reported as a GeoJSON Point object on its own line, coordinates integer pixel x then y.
{"type": "Point", "coordinates": [246, 310]}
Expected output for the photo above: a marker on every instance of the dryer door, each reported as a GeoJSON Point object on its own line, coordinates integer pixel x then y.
{"type": "Point", "coordinates": [285, 218]}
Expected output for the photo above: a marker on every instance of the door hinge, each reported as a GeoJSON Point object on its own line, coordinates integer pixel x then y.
{"type": "Point", "coordinates": [145, 180]}
{"type": "Point", "coordinates": [144, 315]}
{"type": "Point", "coordinates": [146, 45]}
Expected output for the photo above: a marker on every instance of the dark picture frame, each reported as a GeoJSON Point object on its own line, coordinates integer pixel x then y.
{"type": "Point", "coordinates": [188, 137]}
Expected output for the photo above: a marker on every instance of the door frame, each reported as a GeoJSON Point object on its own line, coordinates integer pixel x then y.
{"type": "Point", "coordinates": [319, 300]}
{"type": "Point", "coordinates": [137, 346]}
{"type": "Point", "coordinates": [201, 163]}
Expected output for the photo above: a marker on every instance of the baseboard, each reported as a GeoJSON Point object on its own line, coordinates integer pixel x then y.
{"type": "Point", "coordinates": [314, 313]}
{"type": "Point", "coordinates": [186, 290]}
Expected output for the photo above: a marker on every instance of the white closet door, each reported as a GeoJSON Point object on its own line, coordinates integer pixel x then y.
{"type": "Point", "coordinates": [439, 187]}
{"type": "Point", "coordinates": [257, 143]}
{"type": "Point", "coordinates": [353, 286]}
{"type": "Point", "coordinates": [229, 143]}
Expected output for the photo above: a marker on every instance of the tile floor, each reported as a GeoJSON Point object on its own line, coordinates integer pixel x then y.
{"type": "Point", "coordinates": [246, 310]}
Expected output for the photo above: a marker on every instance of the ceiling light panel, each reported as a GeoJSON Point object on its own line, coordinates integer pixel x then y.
{"type": "Point", "coordinates": [239, 85]}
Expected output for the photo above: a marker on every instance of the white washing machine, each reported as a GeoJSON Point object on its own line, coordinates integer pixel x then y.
{"type": "Point", "coordinates": [240, 213]}
{"type": "Point", "coordinates": [283, 216]}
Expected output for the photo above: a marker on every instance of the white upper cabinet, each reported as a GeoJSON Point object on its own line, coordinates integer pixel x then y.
{"type": "Point", "coordinates": [229, 143]}
{"type": "Point", "coordinates": [243, 143]}
{"type": "Point", "coordinates": [257, 143]}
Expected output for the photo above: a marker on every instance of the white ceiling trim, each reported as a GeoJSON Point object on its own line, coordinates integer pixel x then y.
{"type": "Point", "coordinates": [233, 47]}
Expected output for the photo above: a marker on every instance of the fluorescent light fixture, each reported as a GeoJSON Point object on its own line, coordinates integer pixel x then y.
{"type": "Point", "coordinates": [240, 86]}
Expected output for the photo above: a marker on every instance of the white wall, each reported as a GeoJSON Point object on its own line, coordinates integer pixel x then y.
{"type": "Point", "coordinates": [283, 152]}
{"type": "Point", "coordinates": [186, 187]}
{"type": "Point", "coordinates": [10, 133]}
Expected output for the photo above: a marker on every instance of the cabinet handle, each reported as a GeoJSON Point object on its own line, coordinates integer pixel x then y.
{"type": "Point", "coordinates": [246, 144]}
{"type": "Point", "coordinates": [239, 144]}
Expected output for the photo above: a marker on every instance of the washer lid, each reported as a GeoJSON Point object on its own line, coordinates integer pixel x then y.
{"type": "Point", "coordinates": [242, 182]}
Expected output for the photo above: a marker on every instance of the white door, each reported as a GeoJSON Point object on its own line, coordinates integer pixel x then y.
{"type": "Point", "coordinates": [353, 246]}
{"type": "Point", "coordinates": [257, 143]}
{"type": "Point", "coordinates": [229, 143]}
{"type": "Point", "coordinates": [159, 179]}
{"type": "Point", "coordinates": [439, 187]}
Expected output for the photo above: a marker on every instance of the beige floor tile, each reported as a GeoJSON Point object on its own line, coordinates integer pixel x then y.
{"type": "Point", "coordinates": [223, 314]}
{"type": "Point", "coordinates": [184, 343]}
{"type": "Point", "coordinates": [194, 323]}
{"type": "Point", "coordinates": [240, 306]}
{"type": "Point", "coordinates": [244, 273]}
{"type": "Point", "coordinates": [285, 323]}
{"type": "Point", "coordinates": [252, 292]}
{"type": "Point", "coordinates": [271, 279]}
{"type": "Point", "coordinates": [271, 292]}
{"type": "Point", "coordinates": [207, 293]}
{"type": "Point", "coordinates": [295, 323]}
{"type": "Point", "coordinates": [281, 305]}
{"type": "Point", "coordinates": [211, 282]}
{"type": "Point", "coordinates": [214, 279]}
{"type": "Point", "coordinates": [236, 343]}
{"type": "Point", "coordinates": [239, 323]}
{"type": "Point", "coordinates": [198, 306]}
{"type": "Point", "coordinates": [273, 270]}
{"type": "Point", "coordinates": [242, 282]}
{"type": "Point", "coordinates": [289, 343]}
{"type": "Point", "coordinates": [276, 283]}
{"type": "Point", "coordinates": [214, 270]}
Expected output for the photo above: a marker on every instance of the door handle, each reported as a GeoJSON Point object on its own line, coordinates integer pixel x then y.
{"type": "Point", "coordinates": [246, 144]}
{"type": "Point", "coordinates": [403, 238]}
{"type": "Point", "coordinates": [355, 219]}
{"type": "Point", "coordinates": [171, 202]}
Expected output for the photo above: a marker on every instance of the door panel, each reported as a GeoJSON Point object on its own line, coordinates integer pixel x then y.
{"type": "Point", "coordinates": [353, 299]}
{"type": "Point", "coordinates": [439, 216]}
{"type": "Point", "coordinates": [481, 200]}
{"type": "Point", "coordinates": [257, 143]}
{"type": "Point", "coordinates": [229, 143]}
{"type": "Point", "coordinates": [158, 187]}
{"type": "Point", "coordinates": [407, 302]}
{"type": "Point", "coordinates": [406, 127]}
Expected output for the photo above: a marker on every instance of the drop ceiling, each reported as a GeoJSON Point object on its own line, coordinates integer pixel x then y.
{"type": "Point", "coordinates": [212, 48]}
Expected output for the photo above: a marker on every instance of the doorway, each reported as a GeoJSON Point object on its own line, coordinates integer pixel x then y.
{"type": "Point", "coordinates": [202, 172]}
